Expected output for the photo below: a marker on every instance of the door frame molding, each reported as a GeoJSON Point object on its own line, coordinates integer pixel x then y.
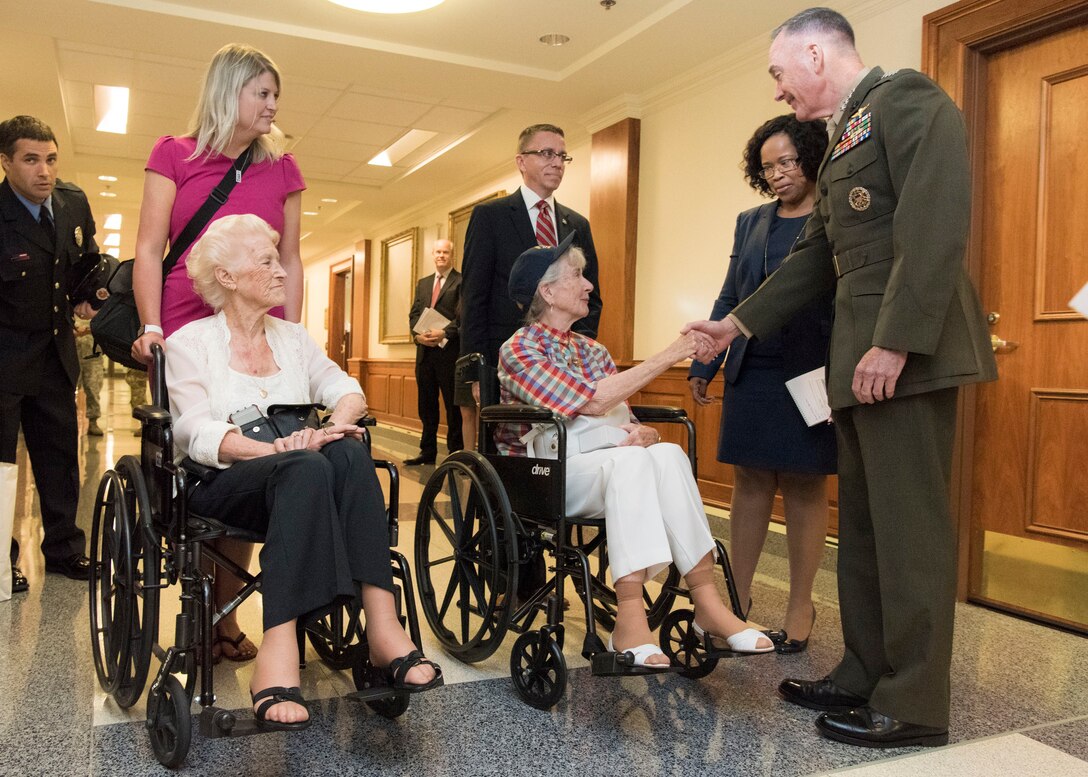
{"type": "Point", "coordinates": [956, 42]}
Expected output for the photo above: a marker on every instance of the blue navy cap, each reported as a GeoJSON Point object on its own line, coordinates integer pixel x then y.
{"type": "Point", "coordinates": [530, 267]}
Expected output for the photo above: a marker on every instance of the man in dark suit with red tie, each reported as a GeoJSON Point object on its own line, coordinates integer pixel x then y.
{"type": "Point", "coordinates": [436, 354]}
{"type": "Point", "coordinates": [500, 230]}
{"type": "Point", "coordinates": [46, 231]}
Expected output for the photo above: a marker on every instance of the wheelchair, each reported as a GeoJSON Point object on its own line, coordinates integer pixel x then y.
{"type": "Point", "coordinates": [484, 517]}
{"type": "Point", "coordinates": [145, 539]}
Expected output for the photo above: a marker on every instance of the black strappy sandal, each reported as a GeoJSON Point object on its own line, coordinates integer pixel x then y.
{"type": "Point", "coordinates": [273, 696]}
{"type": "Point", "coordinates": [399, 668]}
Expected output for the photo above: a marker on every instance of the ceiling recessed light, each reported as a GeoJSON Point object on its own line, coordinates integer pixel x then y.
{"type": "Point", "coordinates": [111, 109]}
{"type": "Point", "coordinates": [107, 178]}
{"type": "Point", "coordinates": [388, 6]}
{"type": "Point", "coordinates": [554, 39]}
{"type": "Point", "coordinates": [309, 213]}
{"type": "Point", "coordinates": [113, 221]}
{"type": "Point", "coordinates": [405, 145]}
{"type": "Point", "coordinates": [328, 199]}
{"type": "Point", "coordinates": [107, 194]}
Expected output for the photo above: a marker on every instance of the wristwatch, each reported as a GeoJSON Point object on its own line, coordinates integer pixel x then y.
{"type": "Point", "coordinates": [145, 328]}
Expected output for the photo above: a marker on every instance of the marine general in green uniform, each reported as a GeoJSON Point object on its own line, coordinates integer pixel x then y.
{"type": "Point", "coordinates": [888, 235]}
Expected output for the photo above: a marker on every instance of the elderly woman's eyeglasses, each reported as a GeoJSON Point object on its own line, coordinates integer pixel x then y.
{"type": "Point", "coordinates": [790, 163]}
{"type": "Point", "coordinates": [548, 155]}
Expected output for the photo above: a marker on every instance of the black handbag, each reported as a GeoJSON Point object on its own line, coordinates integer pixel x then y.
{"type": "Point", "coordinates": [282, 421]}
{"type": "Point", "coordinates": [117, 324]}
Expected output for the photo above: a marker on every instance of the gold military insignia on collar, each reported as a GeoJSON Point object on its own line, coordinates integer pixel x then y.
{"type": "Point", "coordinates": [79, 237]}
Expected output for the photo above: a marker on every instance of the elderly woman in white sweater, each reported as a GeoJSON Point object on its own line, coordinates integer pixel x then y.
{"type": "Point", "coordinates": [314, 493]}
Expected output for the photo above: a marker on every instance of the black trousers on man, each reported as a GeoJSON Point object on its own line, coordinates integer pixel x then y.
{"type": "Point", "coordinates": [51, 432]}
{"type": "Point", "coordinates": [434, 374]}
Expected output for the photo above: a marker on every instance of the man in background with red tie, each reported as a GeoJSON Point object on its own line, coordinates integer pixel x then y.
{"type": "Point", "coordinates": [46, 232]}
{"type": "Point", "coordinates": [436, 354]}
{"type": "Point", "coordinates": [500, 230]}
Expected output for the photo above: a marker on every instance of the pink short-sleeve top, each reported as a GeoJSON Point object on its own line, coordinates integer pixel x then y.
{"type": "Point", "coordinates": [263, 191]}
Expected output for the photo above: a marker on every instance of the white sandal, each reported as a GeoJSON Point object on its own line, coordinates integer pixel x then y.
{"type": "Point", "coordinates": [640, 653]}
{"type": "Point", "coordinates": [742, 642]}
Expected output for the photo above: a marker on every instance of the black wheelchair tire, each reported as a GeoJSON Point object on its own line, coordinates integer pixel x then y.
{"type": "Point", "coordinates": [169, 722]}
{"type": "Point", "coordinates": [111, 584]}
{"type": "Point", "coordinates": [684, 647]}
{"type": "Point", "coordinates": [480, 549]}
{"type": "Point", "coordinates": [336, 635]}
{"type": "Point", "coordinates": [538, 669]}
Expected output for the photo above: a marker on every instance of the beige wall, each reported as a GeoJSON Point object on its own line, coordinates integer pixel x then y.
{"type": "Point", "coordinates": [691, 187]}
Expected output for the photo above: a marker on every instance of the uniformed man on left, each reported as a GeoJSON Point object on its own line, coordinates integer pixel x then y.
{"type": "Point", "coordinates": [46, 228]}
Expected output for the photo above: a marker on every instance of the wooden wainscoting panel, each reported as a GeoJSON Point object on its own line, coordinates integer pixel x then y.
{"type": "Point", "coordinates": [392, 393]}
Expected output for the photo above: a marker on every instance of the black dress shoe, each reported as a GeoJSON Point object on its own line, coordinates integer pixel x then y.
{"type": "Point", "coordinates": [865, 727]}
{"type": "Point", "coordinates": [821, 695]}
{"type": "Point", "coordinates": [420, 459]}
{"type": "Point", "coordinates": [18, 581]}
{"type": "Point", "coordinates": [77, 566]}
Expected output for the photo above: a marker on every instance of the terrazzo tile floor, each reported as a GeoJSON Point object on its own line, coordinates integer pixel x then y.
{"type": "Point", "coordinates": [1020, 691]}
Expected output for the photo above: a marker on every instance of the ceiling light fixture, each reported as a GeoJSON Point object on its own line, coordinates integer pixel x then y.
{"type": "Point", "coordinates": [113, 240]}
{"type": "Point", "coordinates": [309, 213]}
{"type": "Point", "coordinates": [111, 109]}
{"type": "Point", "coordinates": [388, 6]}
{"type": "Point", "coordinates": [107, 194]}
{"type": "Point", "coordinates": [329, 199]}
{"type": "Point", "coordinates": [107, 178]}
{"type": "Point", "coordinates": [113, 221]}
{"type": "Point", "coordinates": [405, 145]}
{"type": "Point", "coordinates": [554, 39]}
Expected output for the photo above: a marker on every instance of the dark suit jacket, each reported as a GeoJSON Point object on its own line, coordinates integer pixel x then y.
{"type": "Point", "coordinates": [35, 315]}
{"type": "Point", "coordinates": [446, 305]}
{"type": "Point", "coordinates": [804, 337]}
{"type": "Point", "coordinates": [498, 232]}
{"type": "Point", "coordinates": [888, 235]}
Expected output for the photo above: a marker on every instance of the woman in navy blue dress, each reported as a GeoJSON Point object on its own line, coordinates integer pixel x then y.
{"type": "Point", "coordinates": [763, 434]}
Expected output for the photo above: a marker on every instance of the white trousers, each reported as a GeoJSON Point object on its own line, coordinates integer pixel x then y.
{"type": "Point", "coordinates": [650, 502]}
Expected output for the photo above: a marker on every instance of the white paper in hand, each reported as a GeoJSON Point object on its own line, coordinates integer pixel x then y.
{"type": "Point", "coordinates": [809, 392]}
{"type": "Point", "coordinates": [432, 319]}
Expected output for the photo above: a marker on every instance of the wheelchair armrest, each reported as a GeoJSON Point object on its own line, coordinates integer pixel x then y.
{"type": "Point", "coordinates": [199, 471]}
{"type": "Point", "coordinates": [658, 414]}
{"type": "Point", "coordinates": [518, 414]}
{"type": "Point", "coordinates": [367, 420]}
{"type": "Point", "coordinates": [151, 414]}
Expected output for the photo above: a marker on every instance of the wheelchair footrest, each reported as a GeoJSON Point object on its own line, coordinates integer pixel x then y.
{"type": "Point", "coordinates": [619, 665]}
{"type": "Point", "coordinates": [216, 723]}
{"type": "Point", "coordinates": [376, 693]}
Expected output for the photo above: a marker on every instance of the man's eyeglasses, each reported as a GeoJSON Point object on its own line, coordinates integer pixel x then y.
{"type": "Point", "coordinates": [767, 172]}
{"type": "Point", "coordinates": [548, 155]}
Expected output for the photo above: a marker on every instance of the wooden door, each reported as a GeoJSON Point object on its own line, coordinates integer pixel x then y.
{"type": "Point", "coordinates": [1019, 71]}
{"type": "Point", "coordinates": [340, 313]}
{"type": "Point", "coordinates": [1030, 466]}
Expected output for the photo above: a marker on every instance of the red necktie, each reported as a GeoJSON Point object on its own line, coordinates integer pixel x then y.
{"type": "Point", "coordinates": [437, 289]}
{"type": "Point", "coordinates": [545, 229]}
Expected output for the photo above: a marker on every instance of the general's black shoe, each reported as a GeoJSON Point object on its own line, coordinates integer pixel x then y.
{"type": "Point", "coordinates": [420, 459]}
{"type": "Point", "coordinates": [77, 566]}
{"type": "Point", "coordinates": [821, 695]}
{"type": "Point", "coordinates": [865, 727]}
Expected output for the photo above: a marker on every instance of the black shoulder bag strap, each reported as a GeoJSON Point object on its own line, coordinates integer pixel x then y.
{"type": "Point", "coordinates": [216, 200]}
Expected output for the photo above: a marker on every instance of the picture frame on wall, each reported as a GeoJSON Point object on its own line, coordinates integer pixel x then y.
{"type": "Point", "coordinates": [398, 277]}
{"type": "Point", "coordinates": [458, 226]}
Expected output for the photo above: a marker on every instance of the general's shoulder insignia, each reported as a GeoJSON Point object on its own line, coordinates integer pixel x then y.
{"type": "Point", "coordinates": [79, 236]}
{"type": "Point", "coordinates": [859, 198]}
{"type": "Point", "coordinates": [889, 75]}
{"type": "Point", "coordinates": [858, 129]}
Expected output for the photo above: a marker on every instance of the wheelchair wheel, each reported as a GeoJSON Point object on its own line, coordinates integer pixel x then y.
{"type": "Point", "coordinates": [684, 647]}
{"type": "Point", "coordinates": [466, 557]}
{"type": "Point", "coordinates": [337, 635]}
{"type": "Point", "coordinates": [169, 722]}
{"type": "Point", "coordinates": [124, 598]}
{"type": "Point", "coordinates": [538, 669]}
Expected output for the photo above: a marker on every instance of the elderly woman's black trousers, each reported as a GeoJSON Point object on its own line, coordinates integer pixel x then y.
{"type": "Point", "coordinates": [324, 521]}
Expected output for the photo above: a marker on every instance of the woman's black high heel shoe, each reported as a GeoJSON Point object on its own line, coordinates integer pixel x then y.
{"type": "Point", "coordinates": [786, 646]}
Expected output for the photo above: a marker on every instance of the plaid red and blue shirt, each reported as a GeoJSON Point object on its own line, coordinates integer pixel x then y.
{"type": "Point", "coordinates": [546, 367]}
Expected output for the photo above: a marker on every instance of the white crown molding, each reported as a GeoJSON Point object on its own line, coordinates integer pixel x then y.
{"type": "Point", "coordinates": [624, 106]}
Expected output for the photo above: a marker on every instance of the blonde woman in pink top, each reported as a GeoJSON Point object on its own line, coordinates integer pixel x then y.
{"type": "Point", "coordinates": [237, 106]}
